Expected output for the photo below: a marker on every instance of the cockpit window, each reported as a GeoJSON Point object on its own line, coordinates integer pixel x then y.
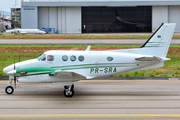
{"type": "Point", "coordinates": [42, 57]}
{"type": "Point", "coordinates": [50, 57]}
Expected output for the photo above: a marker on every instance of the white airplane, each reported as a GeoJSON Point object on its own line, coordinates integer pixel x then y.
{"type": "Point", "coordinates": [26, 31]}
{"type": "Point", "coordinates": [66, 67]}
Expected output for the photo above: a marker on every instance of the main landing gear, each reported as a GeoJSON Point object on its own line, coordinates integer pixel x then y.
{"type": "Point", "coordinates": [69, 91]}
{"type": "Point", "coordinates": [9, 89]}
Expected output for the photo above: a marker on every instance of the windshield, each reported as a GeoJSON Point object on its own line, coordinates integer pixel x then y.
{"type": "Point", "coordinates": [41, 56]}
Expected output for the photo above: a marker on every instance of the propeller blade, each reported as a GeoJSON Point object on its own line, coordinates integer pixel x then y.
{"type": "Point", "coordinates": [14, 62]}
{"type": "Point", "coordinates": [14, 76]}
{"type": "Point", "coordinates": [15, 82]}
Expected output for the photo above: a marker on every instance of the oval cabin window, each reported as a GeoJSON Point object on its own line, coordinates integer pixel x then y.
{"type": "Point", "coordinates": [65, 58]}
{"type": "Point", "coordinates": [73, 58]}
{"type": "Point", "coordinates": [109, 58]}
{"type": "Point", "coordinates": [81, 58]}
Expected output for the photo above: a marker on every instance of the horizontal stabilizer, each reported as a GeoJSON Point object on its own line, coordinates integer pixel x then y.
{"type": "Point", "coordinates": [154, 58]}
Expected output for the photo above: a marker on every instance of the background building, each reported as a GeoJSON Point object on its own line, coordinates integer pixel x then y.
{"type": "Point", "coordinates": [16, 17]}
{"type": "Point", "coordinates": [100, 16]}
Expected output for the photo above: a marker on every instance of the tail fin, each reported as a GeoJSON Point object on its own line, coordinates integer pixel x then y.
{"type": "Point", "coordinates": [157, 44]}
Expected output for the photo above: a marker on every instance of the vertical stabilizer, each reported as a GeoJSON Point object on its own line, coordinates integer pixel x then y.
{"type": "Point", "coordinates": [159, 42]}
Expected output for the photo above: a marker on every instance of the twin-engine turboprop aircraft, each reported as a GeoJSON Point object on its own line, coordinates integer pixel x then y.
{"type": "Point", "coordinates": [65, 67]}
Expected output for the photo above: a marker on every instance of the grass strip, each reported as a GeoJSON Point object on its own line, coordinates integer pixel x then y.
{"type": "Point", "coordinates": [81, 36]}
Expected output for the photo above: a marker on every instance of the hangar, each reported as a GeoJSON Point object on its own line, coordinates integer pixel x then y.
{"type": "Point", "coordinates": [99, 16]}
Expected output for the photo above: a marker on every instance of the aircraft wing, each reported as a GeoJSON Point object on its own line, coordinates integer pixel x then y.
{"type": "Point", "coordinates": [67, 75]}
{"type": "Point", "coordinates": [153, 58]}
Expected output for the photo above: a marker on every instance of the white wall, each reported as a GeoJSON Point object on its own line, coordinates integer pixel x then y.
{"type": "Point", "coordinates": [64, 19]}
{"type": "Point", "coordinates": [29, 17]}
{"type": "Point", "coordinates": [73, 19]}
{"type": "Point", "coordinates": [166, 14]}
{"type": "Point", "coordinates": [43, 19]}
{"type": "Point", "coordinates": [174, 16]}
{"type": "Point", "coordinates": [53, 17]}
{"type": "Point", "coordinates": [159, 16]}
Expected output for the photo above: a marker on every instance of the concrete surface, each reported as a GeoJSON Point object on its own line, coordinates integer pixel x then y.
{"type": "Point", "coordinates": [105, 99]}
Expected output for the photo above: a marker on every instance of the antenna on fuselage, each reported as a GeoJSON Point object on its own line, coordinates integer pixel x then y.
{"type": "Point", "coordinates": [88, 48]}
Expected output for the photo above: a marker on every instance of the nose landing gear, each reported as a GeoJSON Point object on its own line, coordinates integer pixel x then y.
{"type": "Point", "coordinates": [9, 89]}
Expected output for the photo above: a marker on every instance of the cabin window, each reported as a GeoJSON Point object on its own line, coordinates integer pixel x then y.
{"type": "Point", "coordinates": [64, 57]}
{"type": "Point", "coordinates": [81, 58]}
{"type": "Point", "coordinates": [73, 58]}
{"type": "Point", "coordinates": [109, 58]}
{"type": "Point", "coordinates": [50, 57]}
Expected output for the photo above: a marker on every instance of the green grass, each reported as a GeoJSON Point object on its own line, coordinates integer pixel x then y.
{"type": "Point", "coordinates": [19, 36]}
{"type": "Point", "coordinates": [73, 46]}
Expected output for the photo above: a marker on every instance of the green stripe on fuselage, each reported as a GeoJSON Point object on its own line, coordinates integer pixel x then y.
{"type": "Point", "coordinates": [36, 69]}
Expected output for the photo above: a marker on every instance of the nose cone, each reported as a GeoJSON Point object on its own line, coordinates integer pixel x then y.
{"type": "Point", "coordinates": [12, 73]}
{"type": "Point", "coordinates": [9, 68]}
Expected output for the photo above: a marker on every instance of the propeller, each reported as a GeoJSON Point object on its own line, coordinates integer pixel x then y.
{"type": "Point", "coordinates": [14, 76]}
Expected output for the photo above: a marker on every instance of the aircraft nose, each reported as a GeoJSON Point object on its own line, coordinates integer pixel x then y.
{"type": "Point", "coordinates": [7, 69]}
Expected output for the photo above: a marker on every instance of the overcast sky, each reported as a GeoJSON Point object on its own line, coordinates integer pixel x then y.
{"type": "Point", "coordinates": [5, 5]}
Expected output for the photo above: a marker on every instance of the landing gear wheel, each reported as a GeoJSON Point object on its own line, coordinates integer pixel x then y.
{"type": "Point", "coordinates": [9, 90]}
{"type": "Point", "coordinates": [68, 93]}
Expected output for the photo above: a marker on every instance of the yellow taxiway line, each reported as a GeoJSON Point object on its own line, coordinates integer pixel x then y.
{"type": "Point", "coordinates": [94, 115]}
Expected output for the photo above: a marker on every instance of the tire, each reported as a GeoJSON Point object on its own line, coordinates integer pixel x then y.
{"type": "Point", "coordinates": [68, 95]}
{"type": "Point", "coordinates": [9, 90]}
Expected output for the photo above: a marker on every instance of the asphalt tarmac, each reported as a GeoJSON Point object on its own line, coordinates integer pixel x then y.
{"type": "Point", "coordinates": [79, 41]}
{"type": "Point", "coordinates": [94, 99]}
